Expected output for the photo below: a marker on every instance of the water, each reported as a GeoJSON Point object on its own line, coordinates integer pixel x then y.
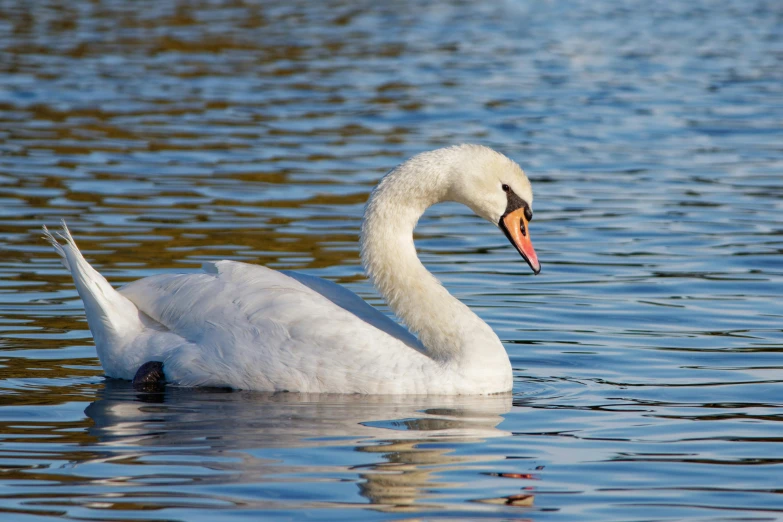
{"type": "Point", "coordinates": [647, 355]}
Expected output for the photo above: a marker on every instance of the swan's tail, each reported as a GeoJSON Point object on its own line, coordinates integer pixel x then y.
{"type": "Point", "coordinates": [112, 317]}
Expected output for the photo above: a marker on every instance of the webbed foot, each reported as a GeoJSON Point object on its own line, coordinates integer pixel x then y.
{"type": "Point", "coordinates": [149, 377]}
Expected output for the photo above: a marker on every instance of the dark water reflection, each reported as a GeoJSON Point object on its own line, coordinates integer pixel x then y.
{"type": "Point", "coordinates": [647, 355]}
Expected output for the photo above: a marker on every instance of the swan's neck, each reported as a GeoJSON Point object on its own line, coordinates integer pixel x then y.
{"type": "Point", "coordinates": [451, 333]}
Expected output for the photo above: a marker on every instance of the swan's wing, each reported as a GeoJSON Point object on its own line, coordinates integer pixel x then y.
{"type": "Point", "coordinates": [351, 302]}
{"type": "Point", "coordinates": [247, 326]}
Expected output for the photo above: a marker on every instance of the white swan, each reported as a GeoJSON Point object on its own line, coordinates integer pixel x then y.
{"type": "Point", "coordinates": [249, 327]}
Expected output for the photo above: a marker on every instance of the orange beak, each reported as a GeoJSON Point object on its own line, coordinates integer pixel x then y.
{"type": "Point", "coordinates": [514, 224]}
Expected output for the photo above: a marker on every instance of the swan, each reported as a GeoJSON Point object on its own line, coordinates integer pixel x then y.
{"type": "Point", "coordinates": [242, 326]}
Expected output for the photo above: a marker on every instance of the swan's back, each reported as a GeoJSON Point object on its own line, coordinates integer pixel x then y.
{"type": "Point", "coordinates": [247, 326]}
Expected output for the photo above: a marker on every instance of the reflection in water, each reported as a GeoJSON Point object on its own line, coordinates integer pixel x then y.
{"type": "Point", "coordinates": [245, 437]}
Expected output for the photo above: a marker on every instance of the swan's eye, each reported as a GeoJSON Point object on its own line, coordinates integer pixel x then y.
{"type": "Point", "coordinates": [506, 188]}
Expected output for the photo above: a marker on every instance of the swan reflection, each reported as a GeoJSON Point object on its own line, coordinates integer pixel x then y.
{"type": "Point", "coordinates": [393, 447]}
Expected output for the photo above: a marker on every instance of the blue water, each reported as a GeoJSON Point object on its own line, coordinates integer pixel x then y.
{"type": "Point", "coordinates": [648, 355]}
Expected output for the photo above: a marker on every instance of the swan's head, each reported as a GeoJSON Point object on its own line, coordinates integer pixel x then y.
{"type": "Point", "coordinates": [495, 188]}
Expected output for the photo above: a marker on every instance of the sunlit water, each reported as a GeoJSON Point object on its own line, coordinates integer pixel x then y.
{"type": "Point", "coordinates": [647, 355]}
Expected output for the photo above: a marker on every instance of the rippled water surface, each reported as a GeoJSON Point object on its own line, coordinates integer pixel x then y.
{"type": "Point", "coordinates": [647, 355]}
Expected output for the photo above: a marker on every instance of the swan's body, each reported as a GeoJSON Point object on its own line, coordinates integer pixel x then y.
{"type": "Point", "coordinates": [249, 327]}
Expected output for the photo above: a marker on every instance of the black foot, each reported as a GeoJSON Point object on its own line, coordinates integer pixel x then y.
{"type": "Point", "coordinates": [149, 377]}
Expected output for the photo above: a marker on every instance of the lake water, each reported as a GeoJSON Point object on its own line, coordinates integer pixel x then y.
{"type": "Point", "coordinates": [648, 355]}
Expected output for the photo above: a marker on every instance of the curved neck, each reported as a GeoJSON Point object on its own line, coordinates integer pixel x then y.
{"type": "Point", "coordinates": [450, 332]}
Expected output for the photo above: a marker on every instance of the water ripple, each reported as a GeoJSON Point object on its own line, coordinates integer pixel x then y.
{"type": "Point", "coordinates": [646, 356]}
